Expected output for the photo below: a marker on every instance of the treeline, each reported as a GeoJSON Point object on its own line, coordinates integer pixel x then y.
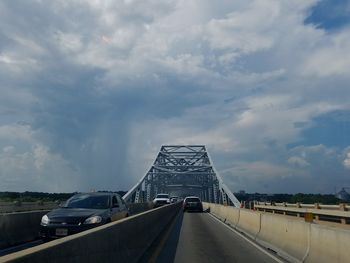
{"type": "Point", "coordinates": [277, 198]}
{"type": "Point", "coordinates": [38, 196]}
{"type": "Point", "coordinates": [326, 199]}
{"type": "Point", "coordinates": [290, 198]}
{"type": "Point", "coordinates": [33, 196]}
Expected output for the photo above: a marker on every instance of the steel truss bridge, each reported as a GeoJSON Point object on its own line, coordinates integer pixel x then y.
{"type": "Point", "coordinates": [182, 170]}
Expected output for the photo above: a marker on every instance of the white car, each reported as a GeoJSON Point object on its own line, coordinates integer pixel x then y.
{"type": "Point", "coordinates": [161, 199]}
{"type": "Point", "coordinates": [174, 199]}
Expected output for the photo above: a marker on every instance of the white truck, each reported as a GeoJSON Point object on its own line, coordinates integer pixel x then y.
{"type": "Point", "coordinates": [161, 199]}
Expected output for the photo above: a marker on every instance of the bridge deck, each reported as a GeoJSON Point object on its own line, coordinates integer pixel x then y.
{"type": "Point", "coordinates": [198, 237]}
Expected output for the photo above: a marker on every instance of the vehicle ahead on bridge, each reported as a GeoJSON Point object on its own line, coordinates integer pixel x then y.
{"type": "Point", "coordinates": [174, 199]}
{"type": "Point", "coordinates": [81, 212]}
{"type": "Point", "coordinates": [192, 203]}
{"type": "Point", "coordinates": [161, 199]}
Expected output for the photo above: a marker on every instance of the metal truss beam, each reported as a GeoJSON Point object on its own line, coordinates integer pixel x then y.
{"type": "Point", "coordinates": [182, 170]}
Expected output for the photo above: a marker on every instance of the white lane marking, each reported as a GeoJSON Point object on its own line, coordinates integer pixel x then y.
{"type": "Point", "coordinates": [248, 240]}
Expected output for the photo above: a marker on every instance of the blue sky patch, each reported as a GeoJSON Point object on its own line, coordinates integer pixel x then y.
{"type": "Point", "coordinates": [331, 129]}
{"type": "Point", "coordinates": [330, 14]}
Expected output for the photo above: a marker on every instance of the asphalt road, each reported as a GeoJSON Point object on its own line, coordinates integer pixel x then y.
{"type": "Point", "coordinates": [198, 237]}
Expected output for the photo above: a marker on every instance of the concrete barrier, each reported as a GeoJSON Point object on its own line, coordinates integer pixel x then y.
{"type": "Point", "coordinates": [139, 207]}
{"type": "Point", "coordinates": [232, 216]}
{"type": "Point", "coordinates": [21, 227]}
{"type": "Point", "coordinates": [227, 214]}
{"type": "Point", "coordinates": [122, 241]}
{"type": "Point", "coordinates": [288, 237]}
{"type": "Point", "coordinates": [219, 211]}
{"type": "Point", "coordinates": [249, 222]}
{"type": "Point", "coordinates": [328, 244]}
{"type": "Point", "coordinates": [206, 206]}
{"type": "Point", "coordinates": [292, 238]}
{"type": "Point", "coordinates": [16, 228]}
{"type": "Point", "coordinates": [214, 209]}
{"type": "Point", "coordinates": [223, 211]}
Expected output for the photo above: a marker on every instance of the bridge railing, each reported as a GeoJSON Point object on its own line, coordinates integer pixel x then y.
{"type": "Point", "coordinates": [342, 206]}
{"type": "Point", "coordinates": [331, 213]}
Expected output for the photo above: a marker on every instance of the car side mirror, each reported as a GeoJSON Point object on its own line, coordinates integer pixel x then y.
{"type": "Point", "coordinates": [115, 205]}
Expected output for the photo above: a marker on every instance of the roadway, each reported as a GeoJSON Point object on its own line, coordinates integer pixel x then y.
{"type": "Point", "coordinates": [200, 237]}
{"type": "Point", "coordinates": [196, 237]}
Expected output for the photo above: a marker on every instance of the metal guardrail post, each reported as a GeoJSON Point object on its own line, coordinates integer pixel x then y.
{"type": "Point", "coordinates": [317, 206]}
{"type": "Point", "coordinates": [309, 217]}
{"type": "Point", "coordinates": [298, 206]}
{"type": "Point", "coordinates": [342, 207]}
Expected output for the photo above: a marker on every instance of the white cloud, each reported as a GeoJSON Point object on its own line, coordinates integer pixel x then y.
{"type": "Point", "coordinates": [346, 162]}
{"type": "Point", "coordinates": [101, 85]}
{"type": "Point", "coordinates": [332, 57]}
{"type": "Point", "coordinates": [242, 31]}
{"type": "Point", "coordinates": [8, 149]}
{"type": "Point", "coordinates": [263, 170]}
{"type": "Point", "coordinates": [298, 161]}
{"type": "Point", "coordinates": [15, 132]}
{"type": "Point", "coordinates": [29, 163]}
{"type": "Point", "coordinates": [69, 42]}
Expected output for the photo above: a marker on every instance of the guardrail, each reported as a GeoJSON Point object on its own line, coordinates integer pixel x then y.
{"type": "Point", "coordinates": [9, 207]}
{"type": "Point", "coordinates": [331, 213]}
{"type": "Point", "coordinates": [290, 237]}
{"type": "Point", "coordinates": [342, 206]}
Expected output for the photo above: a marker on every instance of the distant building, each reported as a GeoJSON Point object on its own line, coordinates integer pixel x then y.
{"type": "Point", "coordinates": [343, 195]}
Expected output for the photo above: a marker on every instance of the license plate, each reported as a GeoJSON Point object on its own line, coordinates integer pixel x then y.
{"type": "Point", "coordinates": [61, 232]}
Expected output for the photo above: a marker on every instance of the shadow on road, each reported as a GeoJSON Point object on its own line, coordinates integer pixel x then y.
{"type": "Point", "coordinates": [168, 251]}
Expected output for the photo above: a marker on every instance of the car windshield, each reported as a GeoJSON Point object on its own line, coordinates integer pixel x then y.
{"type": "Point", "coordinates": [192, 199]}
{"type": "Point", "coordinates": [163, 196]}
{"type": "Point", "coordinates": [88, 201]}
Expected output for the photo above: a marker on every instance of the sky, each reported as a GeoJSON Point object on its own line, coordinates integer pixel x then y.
{"type": "Point", "coordinates": [91, 89]}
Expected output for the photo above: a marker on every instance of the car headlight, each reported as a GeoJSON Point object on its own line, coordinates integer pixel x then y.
{"type": "Point", "coordinates": [45, 220]}
{"type": "Point", "coordinates": [93, 220]}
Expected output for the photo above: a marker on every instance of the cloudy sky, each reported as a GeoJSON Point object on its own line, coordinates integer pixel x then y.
{"type": "Point", "coordinates": [91, 89]}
